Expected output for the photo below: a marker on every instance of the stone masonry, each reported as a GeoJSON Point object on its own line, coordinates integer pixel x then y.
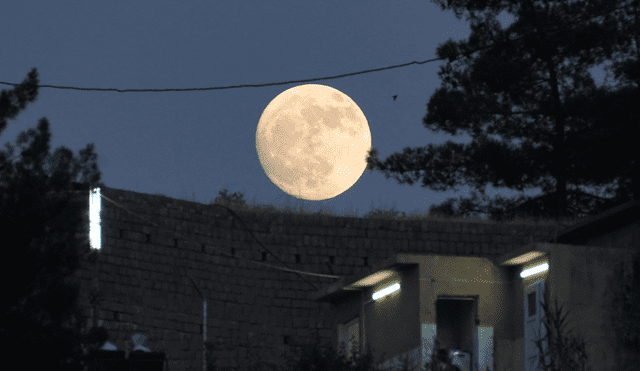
{"type": "Point", "coordinates": [254, 312]}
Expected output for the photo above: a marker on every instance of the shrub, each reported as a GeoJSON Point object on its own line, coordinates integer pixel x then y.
{"type": "Point", "coordinates": [564, 351]}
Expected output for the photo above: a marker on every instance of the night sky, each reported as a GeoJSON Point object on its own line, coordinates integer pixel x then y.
{"type": "Point", "coordinates": [199, 142]}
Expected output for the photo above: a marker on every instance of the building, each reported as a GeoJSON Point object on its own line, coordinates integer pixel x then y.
{"type": "Point", "coordinates": [488, 308]}
{"type": "Point", "coordinates": [238, 290]}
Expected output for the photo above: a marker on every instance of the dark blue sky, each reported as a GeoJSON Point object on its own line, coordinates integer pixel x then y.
{"type": "Point", "coordinates": [198, 142]}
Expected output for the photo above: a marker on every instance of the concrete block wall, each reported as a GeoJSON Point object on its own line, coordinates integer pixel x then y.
{"type": "Point", "coordinates": [254, 312]}
{"type": "Point", "coordinates": [586, 286]}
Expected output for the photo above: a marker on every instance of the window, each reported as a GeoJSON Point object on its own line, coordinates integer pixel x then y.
{"type": "Point", "coordinates": [532, 304]}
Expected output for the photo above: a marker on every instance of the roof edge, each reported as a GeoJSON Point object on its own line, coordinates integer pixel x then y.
{"type": "Point", "coordinates": [346, 285]}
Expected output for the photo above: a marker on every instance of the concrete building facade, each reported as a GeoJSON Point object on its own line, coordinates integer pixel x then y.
{"type": "Point", "coordinates": [209, 288]}
{"type": "Point", "coordinates": [487, 311]}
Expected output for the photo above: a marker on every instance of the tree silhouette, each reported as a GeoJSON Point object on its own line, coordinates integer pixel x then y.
{"type": "Point", "coordinates": [40, 318]}
{"type": "Point", "coordinates": [235, 200]}
{"type": "Point", "coordinates": [525, 91]}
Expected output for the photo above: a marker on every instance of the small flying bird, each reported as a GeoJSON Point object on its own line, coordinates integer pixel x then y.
{"type": "Point", "coordinates": [394, 97]}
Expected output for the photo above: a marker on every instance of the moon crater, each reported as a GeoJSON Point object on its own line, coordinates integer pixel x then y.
{"type": "Point", "coordinates": [312, 141]}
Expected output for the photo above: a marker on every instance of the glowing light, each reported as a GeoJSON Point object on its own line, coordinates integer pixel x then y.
{"type": "Point", "coordinates": [94, 218]}
{"type": "Point", "coordinates": [535, 270]}
{"type": "Point", "coordinates": [386, 291]}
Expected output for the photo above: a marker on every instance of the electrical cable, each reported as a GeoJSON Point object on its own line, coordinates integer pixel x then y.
{"type": "Point", "coordinates": [467, 53]}
{"type": "Point", "coordinates": [190, 238]}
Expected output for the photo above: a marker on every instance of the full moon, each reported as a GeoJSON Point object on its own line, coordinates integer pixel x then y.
{"type": "Point", "coordinates": [312, 142]}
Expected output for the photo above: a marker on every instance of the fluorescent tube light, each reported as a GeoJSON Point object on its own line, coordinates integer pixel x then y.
{"type": "Point", "coordinates": [534, 270]}
{"type": "Point", "coordinates": [94, 218]}
{"type": "Point", "coordinates": [386, 291]}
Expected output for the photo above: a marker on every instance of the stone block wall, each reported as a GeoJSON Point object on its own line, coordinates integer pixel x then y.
{"type": "Point", "coordinates": [151, 251]}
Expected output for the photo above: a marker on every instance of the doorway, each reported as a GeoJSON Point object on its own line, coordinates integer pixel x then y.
{"type": "Point", "coordinates": [534, 329]}
{"type": "Point", "coordinates": [456, 323]}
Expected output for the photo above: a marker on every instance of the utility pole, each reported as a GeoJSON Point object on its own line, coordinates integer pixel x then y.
{"type": "Point", "coordinates": [204, 324]}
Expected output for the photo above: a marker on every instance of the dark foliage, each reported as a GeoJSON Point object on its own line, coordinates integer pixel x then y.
{"type": "Point", "coordinates": [320, 356]}
{"type": "Point", "coordinates": [235, 200]}
{"type": "Point", "coordinates": [559, 131]}
{"type": "Point", "coordinates": [559, 349]}
{"type": "Point", "coordinates": [40, 319]}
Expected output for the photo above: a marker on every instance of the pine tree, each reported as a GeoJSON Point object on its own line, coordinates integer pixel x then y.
{"type": "Point", "coordinates": [40, 317]}
{"type": "Point", "coordinates": [516, 83]}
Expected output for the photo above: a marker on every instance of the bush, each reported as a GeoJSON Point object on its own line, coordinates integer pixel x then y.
{"type": "Point", "coordinates": [322, 357]}
{"type": "Point", "coordinates": [563, 351]}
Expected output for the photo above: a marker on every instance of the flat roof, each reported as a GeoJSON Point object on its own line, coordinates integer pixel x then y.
{"type": "Point", "coordinates": [524, 254]}
{"type": "Point", "coordinates": [605, 222]}
{"type": "Point", "coordinates": [609, 220]}
{"type": "Point", "coordinates": [356, 282]}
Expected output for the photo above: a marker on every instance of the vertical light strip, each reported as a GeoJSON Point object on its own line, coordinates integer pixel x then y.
{"type": "Point", "coordinates": [386, 291]}
{"type": "Point", "coordinates": [94, 219]}
{"type": "Point", "coordinates": [537, 269]}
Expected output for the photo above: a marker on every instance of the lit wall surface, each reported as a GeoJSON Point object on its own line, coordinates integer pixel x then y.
{"type": "Point", "coordinates": [153, 247]}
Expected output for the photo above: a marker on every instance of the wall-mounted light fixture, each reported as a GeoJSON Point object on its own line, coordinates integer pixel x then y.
{"type": "Point", "coordinates": [95, 200]}
{"type": "Point", "coordinates": [94, 218]}
{"type": "Point", "coordinates": [535, 270]}
{"type": "Point", "coordinates": [386, 291]}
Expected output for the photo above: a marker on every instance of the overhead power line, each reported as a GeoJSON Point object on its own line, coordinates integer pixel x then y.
{"type": "Point", "coordinates": [553, 30]}
{"type": "Point", "coordinates": [192, 239]}
{"type": "Point", "coordinates": [229, 87]}
{"type": "Point", "coordinates": [248, 230]}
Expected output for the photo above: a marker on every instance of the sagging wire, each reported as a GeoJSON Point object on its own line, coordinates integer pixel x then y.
{"type": "Point", "coordinates": [299, 272]}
